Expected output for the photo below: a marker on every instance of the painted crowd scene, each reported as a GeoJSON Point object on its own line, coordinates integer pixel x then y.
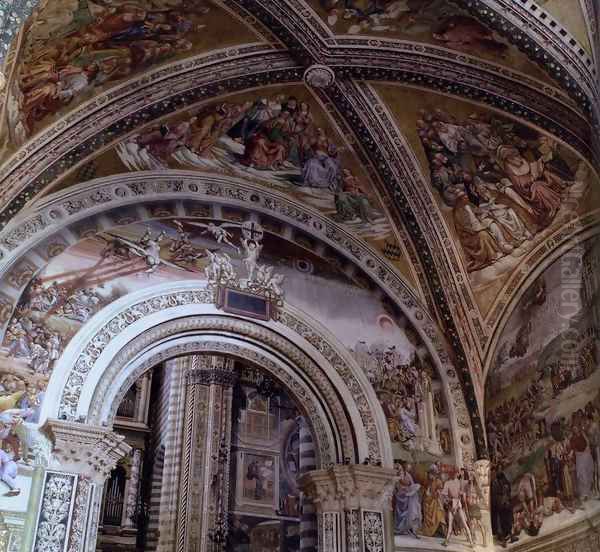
{"type": "Point", "coordinates": [504, 186]}
{"type": "Point", "coordinates": [74, 48]}
{"type": "Point", "coordinates": [543, 403]}
{"type": "Point", "coordinates": [282, 141]}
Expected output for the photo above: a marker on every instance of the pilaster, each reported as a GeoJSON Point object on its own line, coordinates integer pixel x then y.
{"type": "Point", "coordinates": [353, 503]}
{"type": "Point", "coordinates": [82, 458]}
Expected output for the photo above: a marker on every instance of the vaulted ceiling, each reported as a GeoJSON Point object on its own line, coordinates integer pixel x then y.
{"type": "Point", "coordinates": [449, 118]}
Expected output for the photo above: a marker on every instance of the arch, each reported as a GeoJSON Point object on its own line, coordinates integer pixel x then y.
{"type": "Point", "coordinates": [119, 344]}
{"type": "Point", "coordinates": [57, 215]}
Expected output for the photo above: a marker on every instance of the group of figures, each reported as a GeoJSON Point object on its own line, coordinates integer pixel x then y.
{"type": "Point", "coordinates": [442, 502]}
{"type": "Point", "coordinates": [76, 45]}
{"type": "Point", "coordinates": [543, 405]}
{"type": "Point", "coordinates": [504, 183]}
{"type": "Point", "coordinates": [404, 387]}
{"type": "Point", "coordinates": [273, 139]}
{"type": "Point", "coordinates": [53, 308]}
{"type": "Point", "coordinates": [570, 470]}
{"type": "Point", "coordinates": [436, 20]}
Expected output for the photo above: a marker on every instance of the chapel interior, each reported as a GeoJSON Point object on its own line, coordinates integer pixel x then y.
{"type": "Point", "coordinates": [299, 275]}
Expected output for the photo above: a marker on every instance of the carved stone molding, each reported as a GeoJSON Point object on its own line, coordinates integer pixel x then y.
{"type": "Point", "coordinates": [87, 450]}
{"type": "Point", "coordinates": [211, 370]}
{"type": "Point", "coordinates": [350, 487]}
{"type": "Point", "coordinates": [329, 440]}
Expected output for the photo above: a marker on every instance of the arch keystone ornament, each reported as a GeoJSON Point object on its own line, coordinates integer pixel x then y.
{"type": "Point", "coordinates": [319, 76]}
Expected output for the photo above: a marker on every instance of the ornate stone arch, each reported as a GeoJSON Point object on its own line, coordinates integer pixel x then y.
{"type": "Point", "coordinates": [180, 319]}
{"type": "Point", "coordinates": [53, 224]}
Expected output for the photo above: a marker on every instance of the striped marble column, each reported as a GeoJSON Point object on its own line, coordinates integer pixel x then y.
{"type": "Point", "coordinates": [205, 454]}
{"type": "Point", "coordinates": [308, 462]}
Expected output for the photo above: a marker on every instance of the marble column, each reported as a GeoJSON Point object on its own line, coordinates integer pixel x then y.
{"type": "Point", "coordinates": [204, 481]}
{"type": "Point", "coordinates": [353, 504]}
{"type": "Point", "coordinates": [83, 457]}
{"type": "Point", "coordinates": [132, 488]}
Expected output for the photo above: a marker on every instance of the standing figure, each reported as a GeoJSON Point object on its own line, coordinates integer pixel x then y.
{"type": "Point", "coordinates": [252, 251]}
{"type": "Point", "coordinates": [502, 515]}
{"type": "Point", "coordinates": [453, 493]}
{"type": "Point", "coordinates": [8, 472]}
{"type": "Point", "coordinates": [407, 504]}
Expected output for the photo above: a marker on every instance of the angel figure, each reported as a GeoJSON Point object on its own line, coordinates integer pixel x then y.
{"type": "Point", "coordinates": [148, 247]}
{"type": "Point", "coordinates": [220, 235]}
{"type": "Point", "coordinates": [219, 269]}
{"type": "Point", "coordinates": [218, 232]}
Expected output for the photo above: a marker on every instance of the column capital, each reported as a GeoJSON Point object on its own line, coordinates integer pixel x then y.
{"type": "Point", "coordinates": [90, 451]}
{"type": "Point", "coordinates": [349, 487]}
{"type": "Point", "coordinates": [211, 370]}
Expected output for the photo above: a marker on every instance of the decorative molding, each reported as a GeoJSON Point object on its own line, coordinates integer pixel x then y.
{"type": "Point", "coordinates": [326, 448]}
{"type": "Point", "coordinates": [373, 531]}
{"type": "Point", "coordinates": [79, 515]}
{"type": "Point", "coordinates": [111, 115]}
{"type": "Point", "coordinates": [319, 76]}
{"type": "Point", "coordinates": [84, 449]}
{"type": "Point", "coordinates": [350, 487]}
{"type": "Point", "coordinates": [66, 209]}
{"type": "Point", "coordinates": [211, 370]}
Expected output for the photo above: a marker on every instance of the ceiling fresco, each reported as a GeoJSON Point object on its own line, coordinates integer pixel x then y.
{"type": "Point", "coordinates": [436, 22]}
{"type": "Point", "coordinates": [280, 138]}
{"type": "Point", "coordinates": [414, 124]}
{"type": "Point", "coordinates": [502, 187]}
{"type": "Point", "coordinates": [73, 49]}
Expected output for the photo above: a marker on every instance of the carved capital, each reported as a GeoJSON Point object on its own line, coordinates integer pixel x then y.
{"type": "Point", "coordinates": [90, 451]}
{"type": "Point", "coordinates": [349, 487]}
{"type": "Point", "coordinates": [211, 370]}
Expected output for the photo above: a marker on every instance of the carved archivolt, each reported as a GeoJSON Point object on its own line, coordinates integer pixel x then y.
{"type": "Point", "coordinates": [332, 443]}
{"type": "Point", "coordinates": [311, 381]}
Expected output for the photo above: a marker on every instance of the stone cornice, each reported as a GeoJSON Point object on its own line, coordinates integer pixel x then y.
{"type": "Point", "coordinates": [348, 487]}
{"type": "Point", "coordinates": [87, 450]}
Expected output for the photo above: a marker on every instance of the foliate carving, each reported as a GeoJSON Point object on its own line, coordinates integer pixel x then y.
{"type": "Point", "coordinates": [319, 76]}
{"type": "Point", "coordinates": [353, 536]}
{"type": "Point", "coordinates": [348, 487]}
{"type": "Point", "coordinates": [482, 474]}
{"type": "Point", "coordinates": [53, 518]}
{"type": "Point", "coordinates": [330, 522]}
{"type": "Point", "coordinates": [373, 535]}
{"type": "Point", "coordinates": [87, 359]}
{"type": "Point", "coordinates": [80, 514]}
{"type": "Point", "coordinates": [87, 450]}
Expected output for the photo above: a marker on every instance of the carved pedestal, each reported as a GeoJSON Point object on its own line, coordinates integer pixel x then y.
{"type": "Point", "coordinates": [83, 457]}
{"type": "Point", "coordinates": [482, 530]}
{"type": "Point", "coordinates": [354, 507]}
{"type": "Point", "coordinates": [204, 482]}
